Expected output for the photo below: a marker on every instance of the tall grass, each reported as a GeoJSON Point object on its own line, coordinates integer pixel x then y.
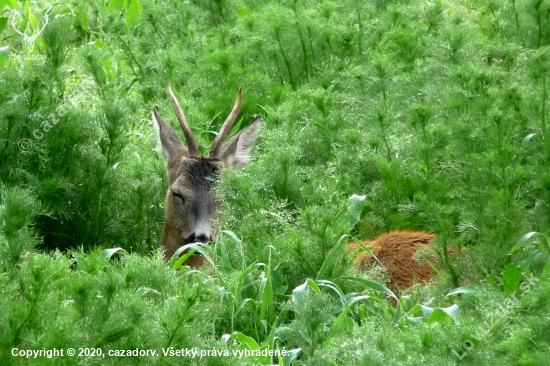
{"type": "Point", "coordinates": [435, 113]}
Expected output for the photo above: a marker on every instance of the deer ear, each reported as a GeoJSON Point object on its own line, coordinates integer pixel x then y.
{"type": "Point", "coordinates": [236, 152]}
{"type": "Point", "coordinates": [169, 143]}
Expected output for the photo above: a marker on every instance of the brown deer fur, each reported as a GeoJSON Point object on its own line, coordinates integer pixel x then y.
{"type": "Point", "coordinates": [395, 250]}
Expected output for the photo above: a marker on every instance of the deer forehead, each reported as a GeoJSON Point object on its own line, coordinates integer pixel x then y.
{"type": "Point", "coordinates": [195, 174]}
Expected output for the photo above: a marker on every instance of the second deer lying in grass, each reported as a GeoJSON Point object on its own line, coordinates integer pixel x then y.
{"type": "Point", "coordinates": [395, 251]}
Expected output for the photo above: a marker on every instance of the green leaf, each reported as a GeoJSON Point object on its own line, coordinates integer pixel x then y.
{"type": "Point", "coordinates": [305, 335]}
{"type": "Point", "coordinates": [242, 305]}
{"type": "Point", "coordinates": [452, 311]}
{"type": "Point", "coordinates": [366, 249]}
{"type": "Point", "coordinates": [245, 340]}
{"type": "Point", "coordinates": [443, 315]}
{"type": "Point", "coordinates": [279, 288]}
{"type": "Point", "coordinates": [531, 258]}
{"type": "Point", "coordinates": [334, 287]}
{"type": "Point", "coordinates": [266, 292]}
{"type": "Point", "coordinates": [174, 258]}
{"type": "Point", "coordinates": [67, 10]}
{"type": "Point", "coordinates": [178, 263]}
{"type": "Point", "coordinates": [290, 357]}
{"type": "Point", "coordinates": [108, 253]}
{"type": "Point", "coordinates": [133, 13]}
{"type": "Point", "coordinates": [356, 204]}
{"type": "Point", "coordinates": [415, 321]}
{"type": "Point", "coordinates": [313, 285]}
{"type": "Point", "coordinates": [116, 5]}
{"type": "Point", "coordinates": [521, 242]}
{"type": "Point", "coordinates": [415, 309]}
{"type": "Point", "coordinates": [330, 258]}
{"type": "Point", "coordinates": [235, 129]}
{"type": "Point", "coordinates": [426, 312]}
{"type": "Point", "coordinates": [99, 43]}
{"type": "Point", "coordinates": [244, 273]}
{"type": "Point", "coordinates": [439, 316]}
{"type": "Point", "coordinates": [463, 290]}
{"type": "Point", "coordinates": [299, 292]}
{"type": "Point", "coordinates": [237, 241]}
{"type": "Point", "coordinates": [397, 314]}
{"type": "Point", "coordinates": [83, 20]}
{"type": "Point", "coordinates": [200, 249]}
{"type": "Point", "coordinates": [512, 277]}
{"type": "Point", "coordinates": [546, 240]}
{"type": "Point", "coordinates": [327, 134]}
{"type": "Point", "coordinates": [546, 272]}
{"type": "Point", "coordinates": [528, 138]}
{"type": "Point", "coordinates": [226, 262]}
{"type": "Point", "coordinates": [271, 338]}
{"type": "Point", "coordinates": [373, 285]}
{"type": "Point", "coordinates": [343, 323]}
{"type": "Point", "coordinates": [4, 55]}
{"type": "Point", "coordinates": [3, 22]}
{"type": "Point", "coordinates": [32, 19]}
{"type": "Point", "coordinates": [355, 299]}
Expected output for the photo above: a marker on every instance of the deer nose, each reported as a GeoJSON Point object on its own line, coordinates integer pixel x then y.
{"type": "Point", "coordinates": [198, 238]}
{"type": "Point", "coordinates": [203, 238]}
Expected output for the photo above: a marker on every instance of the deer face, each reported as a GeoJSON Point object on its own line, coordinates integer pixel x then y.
{"type": "Point", "coordinates": [190, 201]}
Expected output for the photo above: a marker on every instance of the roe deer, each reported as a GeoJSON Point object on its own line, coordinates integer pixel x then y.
{"type": "Point", "coordinates": [190, 201]}
{"type": "Point", "coordinates": [395, 251]}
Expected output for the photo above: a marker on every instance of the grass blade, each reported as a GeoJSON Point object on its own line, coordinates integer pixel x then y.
{"type": "Point", "coordinates": [463, 290]}
{"type": "Point", "coordinates": [373, 285]}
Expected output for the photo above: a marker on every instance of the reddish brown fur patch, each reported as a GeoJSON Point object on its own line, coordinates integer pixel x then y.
{"type": "Point", "coordinates": [395, 250]}
{"type": "Point", "coordinates": [195, 261]}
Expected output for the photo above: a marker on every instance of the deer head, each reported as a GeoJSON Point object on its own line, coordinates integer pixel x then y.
{"type": "Point", "coordinates": [190, 201]}
{"type": "Point", "coordinates": [29, 40]}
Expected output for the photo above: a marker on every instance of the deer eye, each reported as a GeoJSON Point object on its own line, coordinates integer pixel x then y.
{"type": "Point", "coordinates": [178, 196]}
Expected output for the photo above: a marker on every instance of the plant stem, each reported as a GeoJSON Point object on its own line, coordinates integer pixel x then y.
{"type": "Point", "coordinates": [287, 63]}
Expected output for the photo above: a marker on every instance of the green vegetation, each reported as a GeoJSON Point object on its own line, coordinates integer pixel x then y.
{"type": "Point", "coordinates": [435, 111]}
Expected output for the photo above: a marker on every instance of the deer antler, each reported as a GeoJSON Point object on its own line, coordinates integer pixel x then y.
{"type": "Point", "coordinates": [226, 127]}
{"type": "Point", "coordinates": [191, 143]}
{"type": "Point", "coordinates": [16, 29]}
